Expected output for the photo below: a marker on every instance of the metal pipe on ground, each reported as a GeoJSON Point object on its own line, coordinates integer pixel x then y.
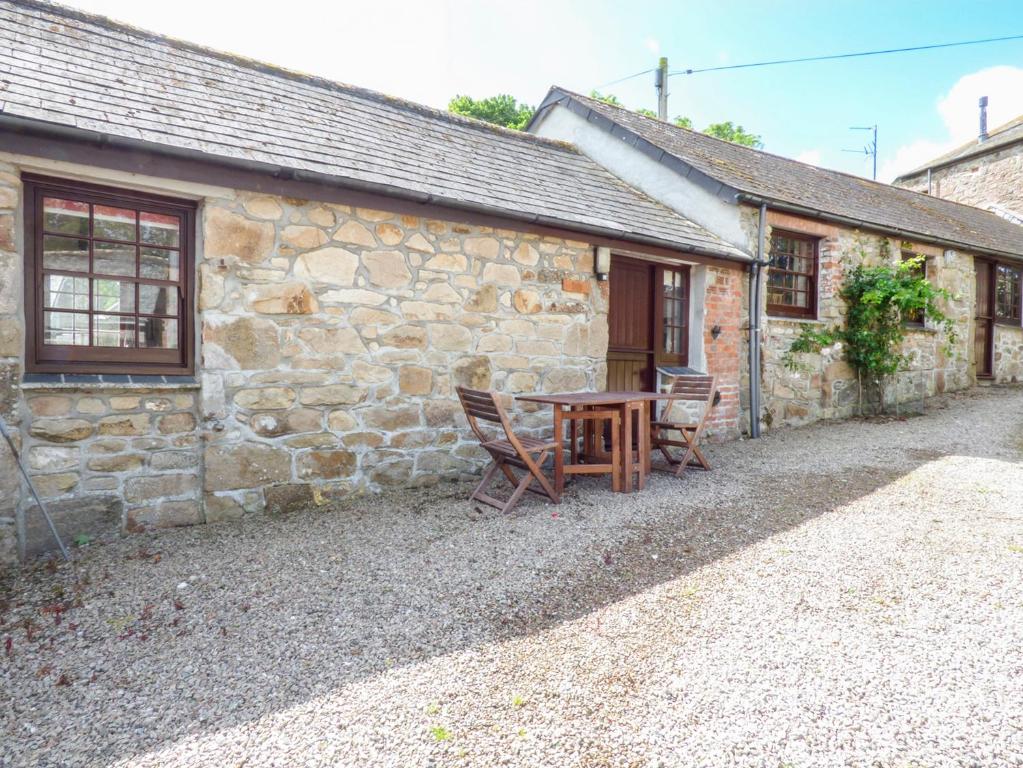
{"type": "Point", "coordinates": [32, 488]}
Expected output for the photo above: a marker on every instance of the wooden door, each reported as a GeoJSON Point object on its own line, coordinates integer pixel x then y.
{"type": "Point", "coordinates": [648, 322]}
{"type": "Point", "coordinates": [984, 333]}
{"type": "Point", "coordinates": [630, 325]}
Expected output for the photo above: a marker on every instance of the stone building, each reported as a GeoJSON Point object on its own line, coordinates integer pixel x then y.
{"type": "Point", "coordinates": [818, 224]}
{"type": "Point", "coordinates": [226, 288]}
{"type": "Point", "coordinates": [986, 173]}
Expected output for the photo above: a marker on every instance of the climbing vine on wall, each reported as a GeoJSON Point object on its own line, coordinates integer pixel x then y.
{"type": "Point", "coordinates": [878, 300]}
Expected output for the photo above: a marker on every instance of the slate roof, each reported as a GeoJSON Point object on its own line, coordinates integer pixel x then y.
{"type": "Point", "coordinates": [731, 168]}
{"type": "Point", "coordinates": [1003, 136]}
{"type": "Point", "coordinates": [60, 66]}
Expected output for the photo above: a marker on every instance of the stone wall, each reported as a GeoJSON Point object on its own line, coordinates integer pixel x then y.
{"type": "Point", "coordinates": [995, 178]}
{"type": "Point", "coordinates": [11, 342]}
{"type": "Point", "coordinates": [107, 458]}
{"type": "Point", "coordinates": [333, 338]}
{"type": "Point", "coordinates": [1008, 362]}
{"type": "Point", "coordinates": [823, 386]}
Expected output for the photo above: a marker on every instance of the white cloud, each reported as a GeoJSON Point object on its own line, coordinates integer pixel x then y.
{"type": "Point", "coordinates": [811, 156]}
{"type": "Point", "coordinates": [959, 112]}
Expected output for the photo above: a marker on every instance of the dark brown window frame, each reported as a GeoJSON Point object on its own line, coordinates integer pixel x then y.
{"type": "Point", "coordinates": [40, 358]}
{"type": "Point", "coordinates": [784, 310]}
{"type": "Point", "coordinates": [1000, 318]}
{"type": "Point", "coordinates": [661, 355]}
{"type": "Point", "coordinates": [918, 319]}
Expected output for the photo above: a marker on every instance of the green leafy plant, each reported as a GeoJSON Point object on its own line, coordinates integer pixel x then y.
{"type": "Point", "coordinates": [878, 298]}
{"type": "Point", "coordinates": [440, 733]}
{"type": "Point", "coordinates": [501, 110]}
{"type": "Point", "coordinates": [82, 539]}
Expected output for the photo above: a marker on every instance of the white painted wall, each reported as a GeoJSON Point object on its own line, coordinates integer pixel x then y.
{"type": "Point", "coordinates": [659, 182]}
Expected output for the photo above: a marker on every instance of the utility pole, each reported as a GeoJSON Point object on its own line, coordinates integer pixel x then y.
{"type": "Point", "coordinates": [871, 149]}
{"type": "Point", "coordinates": [661, 84]}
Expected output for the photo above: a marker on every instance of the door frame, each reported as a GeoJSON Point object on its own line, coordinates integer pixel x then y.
{"type": "Point", "coordinates": [655, 355]}
{"type": "Point", "coordinates": [987, 371]}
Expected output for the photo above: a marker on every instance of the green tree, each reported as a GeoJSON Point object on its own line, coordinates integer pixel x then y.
{"type": "Point", "coordinates": [684, 122]}
{"type": "Point", "coordinates": [646, 112]}
{"type": "Point", "coordinates": [607, 98]}
{"type": "Point", "coordinates": [734, 133]}
{"type": "Point", "coordinates": [500, 110]}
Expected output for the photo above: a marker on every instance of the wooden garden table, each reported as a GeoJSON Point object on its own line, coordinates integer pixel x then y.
{"type": "Point", "coordinates": [632, 407]}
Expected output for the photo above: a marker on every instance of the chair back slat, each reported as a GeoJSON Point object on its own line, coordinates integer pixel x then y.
{"type": "Point", "coordinates": [693, 387]}
{"type": "Point", "coordinates": [480, 405]}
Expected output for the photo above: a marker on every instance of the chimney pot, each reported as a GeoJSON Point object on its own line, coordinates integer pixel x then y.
{"type": "Point", "coordinates": [983, 120]}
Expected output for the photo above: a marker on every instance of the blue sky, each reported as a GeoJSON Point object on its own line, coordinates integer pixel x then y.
{"type": "Point", "coordinates": [428, 51]}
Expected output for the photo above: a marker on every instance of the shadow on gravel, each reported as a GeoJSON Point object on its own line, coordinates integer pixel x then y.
{"type": "Point", "coordinates": [277, 612]}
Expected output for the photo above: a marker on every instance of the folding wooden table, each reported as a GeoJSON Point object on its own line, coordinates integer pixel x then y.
{"type": "Point", "coordinates": [631, 407]}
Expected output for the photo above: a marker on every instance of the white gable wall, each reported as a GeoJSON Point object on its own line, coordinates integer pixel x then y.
{"type": "Point", "coordinates": [635, 168]}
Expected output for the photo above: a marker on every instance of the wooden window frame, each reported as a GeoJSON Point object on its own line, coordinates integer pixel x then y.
{"type": "Point", "coordinates": [919, 320]}
{"type": "Point", "coordinates": [1000, 318]}
{"type": "Point", "coordinates": [784, 310]}
{"type": "Point", "coordinates": [40, 358]}
{"type": "Point", "coordinates": [661, 355]}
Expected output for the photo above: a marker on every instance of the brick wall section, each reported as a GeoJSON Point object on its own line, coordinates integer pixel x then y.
{"type": "Point", "coordinates": [333, 339]}
{"type": "Point", "coordinates": [994, 178]}
{"type": "Point", "coordinates": [723, 309]}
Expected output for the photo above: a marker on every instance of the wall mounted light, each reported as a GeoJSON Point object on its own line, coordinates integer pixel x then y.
{"type": "Point", "coordinates": [602, 262]}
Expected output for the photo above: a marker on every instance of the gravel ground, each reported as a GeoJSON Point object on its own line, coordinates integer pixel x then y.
{"type": "Point", "coordinates": [838, 595]}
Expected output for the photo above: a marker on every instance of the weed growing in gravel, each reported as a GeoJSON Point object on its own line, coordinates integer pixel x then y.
{"type": "Point", "coordinates": [517, 701]}
{"type": "Point", "coordinates": [432, 708]}
{"type": "Point", "coordinates": [1016, 548]}
{"type": "Point", "coordinates": [440, 733]}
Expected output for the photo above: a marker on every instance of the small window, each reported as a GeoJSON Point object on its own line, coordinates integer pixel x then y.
{"type": "Point", "coordinates": [107, 279]}
{"type": "Point", "coordinates": [915, 317]}
{"type": "Point", "coordinates": [792, 276]}
{"type": "Point", "coordinates": [1007, 294]}
{"type": "Point", "coordinates": [674, 315]}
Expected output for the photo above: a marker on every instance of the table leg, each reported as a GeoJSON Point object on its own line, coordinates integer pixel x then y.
{"type": "Point", "coordinates": [643, 435]}
{"type": "Point", "coordinates": [573, 436]}
{"type": "Point", "coordinates": [626, 446]}
{"type": "Point", "coordinates": [559, 454]}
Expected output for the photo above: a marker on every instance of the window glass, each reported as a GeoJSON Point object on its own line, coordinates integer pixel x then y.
{"type": "Point", "coordinates": [1007, 294]}
{"type": "Point", "coordinates": [112, 274]}
{"type": "Point", "coordinates": [792, 275]}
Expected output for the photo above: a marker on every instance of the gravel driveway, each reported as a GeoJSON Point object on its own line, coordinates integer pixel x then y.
{"type": "Point", "coordinates": [843, 594]}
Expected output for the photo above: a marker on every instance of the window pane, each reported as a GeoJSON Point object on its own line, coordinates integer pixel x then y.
{"type": "Point", "coordinates": [158, 332]}
{"type": "Point", "coordinates": [113, 223]}
{"type": "Point", "coordinates": [113, 296]}
{"type": "Point", "coordinates": [158, 229]}
{"type": "Point", "coordinates": [62, 292]}
{"type": "Point", "coordinates": [113, 259]}
{"type": "Point", "coordinates": [113, 331]}
{"type": "Point", "coordinates": [158, 300]}
{"type": "Point", "coordinates": [65, 253]}
{"type": "Point", "coordinates": [68, 216]}
{"type": "Point", "coordinates": [158, 264]}
{"type": "Point", "coordinates": [66, 328]}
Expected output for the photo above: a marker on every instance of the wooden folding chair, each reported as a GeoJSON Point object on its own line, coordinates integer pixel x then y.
{"type": "Point", "coordinates": [695, 389]}
{"type": "Point", "coordinates": [512, 451]}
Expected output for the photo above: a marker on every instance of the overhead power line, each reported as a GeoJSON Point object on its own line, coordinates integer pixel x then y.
{"type": "Point", "coordinates": [837, 56]}
{"type": "Point", "coordinates": [623, 79]}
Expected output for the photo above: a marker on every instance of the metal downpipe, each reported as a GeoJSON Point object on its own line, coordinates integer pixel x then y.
{"type": "Point", "coordinates": [754, 326]}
